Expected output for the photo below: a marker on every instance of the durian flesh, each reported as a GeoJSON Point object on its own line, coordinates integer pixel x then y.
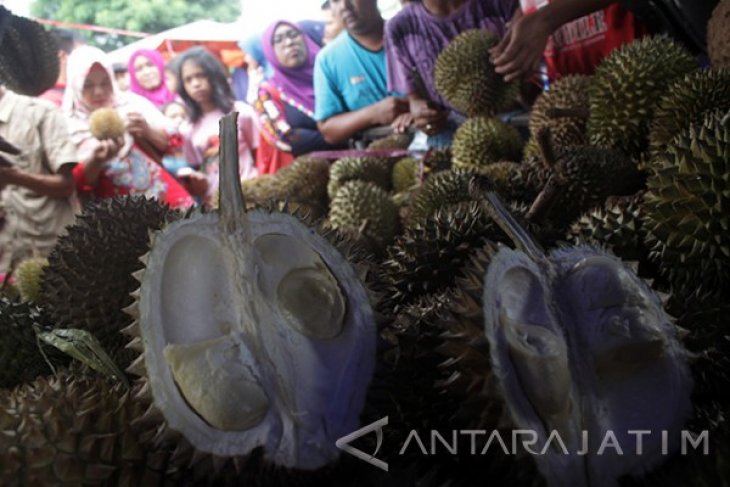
{"type": "Point", "coordinates": [257, 333]}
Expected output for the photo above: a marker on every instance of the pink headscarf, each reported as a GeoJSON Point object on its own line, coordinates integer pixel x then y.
{"type": "Point", "coordinates": [158, 96]}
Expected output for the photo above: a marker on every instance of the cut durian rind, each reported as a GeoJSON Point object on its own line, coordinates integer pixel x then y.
{"type": "Point", "coordinates": [530, 358]}
{"type": "Point", "coordinates": [627, 359]}
{"type": "Point", "coordinates": [306, 381]}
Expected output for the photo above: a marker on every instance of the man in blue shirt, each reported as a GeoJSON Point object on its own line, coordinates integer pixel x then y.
{"type": "Point", "coordinates": [350, 85]}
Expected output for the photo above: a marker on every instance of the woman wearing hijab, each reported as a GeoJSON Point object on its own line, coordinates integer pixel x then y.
{"type": "Point", "coordinates": [147, 77]}
{"type": "Point", "coordinates": [285, 103]}
{"type": "Point", "coordinates": [124, 165]}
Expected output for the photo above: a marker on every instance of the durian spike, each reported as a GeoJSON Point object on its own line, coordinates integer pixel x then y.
{"type": "Point", "coordinates": [232, 204]}
{"type": "Point", "coordinates": [571, 112]}
{"type": "Point", "coordinates": [522, 239]}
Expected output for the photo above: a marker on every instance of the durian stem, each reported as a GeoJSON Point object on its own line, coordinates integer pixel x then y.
{"type": "Point", "coordinates": [519, 236]}
{"type": "Point", "coordinates": [571, 112]}
{"type": "Point", "coordinates": [546, 147]}
{"type": "Point", "coordinates": [232, 204]}
{"type": "Point", "coordinates": [546, 199]}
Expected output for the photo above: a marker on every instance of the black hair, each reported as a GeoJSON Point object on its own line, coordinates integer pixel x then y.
{"type": "Point", "coordinates": [119, 68]}
{"type": "Point", "coordinates": [221, 94]}
{"type": "Point", "coordinates": [65, 39]}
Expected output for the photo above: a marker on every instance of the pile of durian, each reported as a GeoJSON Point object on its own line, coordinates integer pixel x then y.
{"type": "Point", "coordinates": [574, 283]}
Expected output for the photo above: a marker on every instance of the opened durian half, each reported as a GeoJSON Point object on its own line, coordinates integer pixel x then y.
{"type": "Point", "coordinates": [254, 331]}
{"type": "Point", "coordinates": [583, 351]}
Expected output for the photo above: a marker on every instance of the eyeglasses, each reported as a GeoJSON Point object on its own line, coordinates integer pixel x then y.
{"type": "Point", "coordinates": [289, 34]}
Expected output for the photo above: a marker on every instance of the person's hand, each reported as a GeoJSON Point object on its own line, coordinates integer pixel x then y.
{"type": "Point", "coordinates": [8, 175]}
{"type": "Point", "coordinates": [137, 126]}
{"type": "Point", "coordinates": [196, 183]}
{"type": "Point", "coordinates": [401, 123]}
{"type": "Point", "coordinates": [520, 51]}
{"type": "Point", "coordinates": [388, 109]}
{"type": "Point", "coordinates": [427, 117]}
{"type": "Point", "coordinates": [106, 149]}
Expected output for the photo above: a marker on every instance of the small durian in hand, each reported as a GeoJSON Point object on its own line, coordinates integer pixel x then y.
{"type": "Point", "coordinates": [105, 123]}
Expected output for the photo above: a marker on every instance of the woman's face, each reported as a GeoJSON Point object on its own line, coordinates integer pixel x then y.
{"type": "Point", "coordinates": [97, 91]}
{"type": "Point", "coordinates": [195, 82]}
{"type": "Point", "coordinates": [148, 76]}
{"type": "Point", "coordinates": [289, 46]}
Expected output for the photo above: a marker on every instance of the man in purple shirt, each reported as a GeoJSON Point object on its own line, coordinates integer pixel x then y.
{"type": "Point", "coordinates": [415, 37]}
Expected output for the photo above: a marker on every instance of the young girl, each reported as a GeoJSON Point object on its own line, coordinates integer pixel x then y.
{"type": "Point", "coordinates": [176, 115]}
{"type": "Point", "coordinates": [127, 164]}
{"type": "Point", "coordinates": [207, 95]}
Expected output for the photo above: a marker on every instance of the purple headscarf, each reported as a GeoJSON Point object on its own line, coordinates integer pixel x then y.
{"type": "Point", "coordinates": [160, 95]}
{"type": "Point", "coordinates": [296, 83]}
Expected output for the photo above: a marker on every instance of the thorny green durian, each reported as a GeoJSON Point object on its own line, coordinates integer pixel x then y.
{"type": "Point", "coordinates": [28, 277]}
{"type": "Point", "coordinates": [464, 75]}
{"type": "Point", "coordinates": [392, 141]}
{"type": "Point", "coordinates": [718, 35]}
{"type": "Point", "coordinates": [626, 89]}
{"type": "Point", "coordinates": [105, 123]}
{"type": "Point", "coordinates": [89, 276]}
{"type": "Point", "coordinates": [686, 206]}
{"type": "Point", "coordinates": [440, 190]}
{"type": "Point", "coordinates": [481, 141]}
{"type": "Point", "coordinates": [571, 93]}
{"type": "Point", "coordinates": [375, 170]}
{"type": "Point", "coordinates": [406, 174]}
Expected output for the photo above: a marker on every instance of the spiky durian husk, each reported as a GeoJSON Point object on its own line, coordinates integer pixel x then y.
{"type": "Point", "coordinates": [626, 89]}
{"type": "Point", "coordinates": [75, 430]}
{"type": "Point", "coordinates": [89, 277]}
{"type": "Point", "coordinates": [686, 102]}
{"type": "Point", "coordinates": [21, 359]}
{"type": "Point", "coordinates": [437, 159]}
{"type": "Point", "coordinates": [567, 92]}
{"type": "Point", "coordinates": [686, 209]}
{"type": "Point", "coordinates": [440, 190]}
{"type": "Point", "coordinates": [481, 141]}
{"type": "Point", "coordinates": [28, 277]}
{"type": "Point", "coordinates": [406, 174]}
{"type": "Point", "coordinates": [28, 56]}
{"type": "Point", "coordinates": [370, 169]}
{"type": "Point", "coordinates": [392, 141]}
{"type": "Point", "coordinates": [364, 207]}
{"type": "Point", "coordinates": [592, 174]}
{"type": "Point", "coordinates": [615, 225]}
{"type": "Point", "coordinates": [718, 35]}
{"type": "Point", "coordinates": [105, 123]}
{"type": "Point", "coordinates": [422, 260]}
{"type": "Point", "coordinates": [502, 174]}
{"type": "Point", "coordinates": [465, 76]}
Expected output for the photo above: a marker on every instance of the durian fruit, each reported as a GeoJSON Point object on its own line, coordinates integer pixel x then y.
{"type": "Point", "coordinates": [371, 169]}
{"type": "Point", "coordinates": [69, 430]}
{"type": "Point", "coordinates": [21, 359]}
{"type": "Point", "coordinates": [686, 103]}
{"type": "Point", "coordinates": [437, 159]}
{"type": "Point", "coordinates": [89, 276]}
{"type": "Point", "coordinates": [105, 123]}
{"type": "Point", "coordinates": [253, 331]}
{"type": "Point", "coordinates": [28, 55]}
{"type": "Point", "coordinates": [440, 190]}
{"type": "Point", "coordinates": [616, 225]}
{"type": "Point", "coordinates": [686, 205]}
{"type": "Point", "coordinates": [362, 207]}
{"type": "Point", "coordinates": [502, 174]}
{"type": "Point", "coordinates": [28, 276]}
{"type": "Point", "coordinates": [569, 92]}
{"type": "Point", "coordinates": [392, 141]}
{"type": "Point", "coordinates": [406, 174]}
{"type": "Point", "coordinates": [718, 35]}
{"type": "Point", "coordinates": [481, 141]}
{"type": "Point", "coordinates": [464, 75]}
{"type": "Point", "coordinates": [302, 183]}
{"type": "Point", "coordinates": [583, 319]}
{"type": "Point", "coordinates": [626, 89]}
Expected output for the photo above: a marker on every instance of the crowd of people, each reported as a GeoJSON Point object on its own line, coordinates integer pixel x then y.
{"type": "Point", "coordinates": [303, 87]}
